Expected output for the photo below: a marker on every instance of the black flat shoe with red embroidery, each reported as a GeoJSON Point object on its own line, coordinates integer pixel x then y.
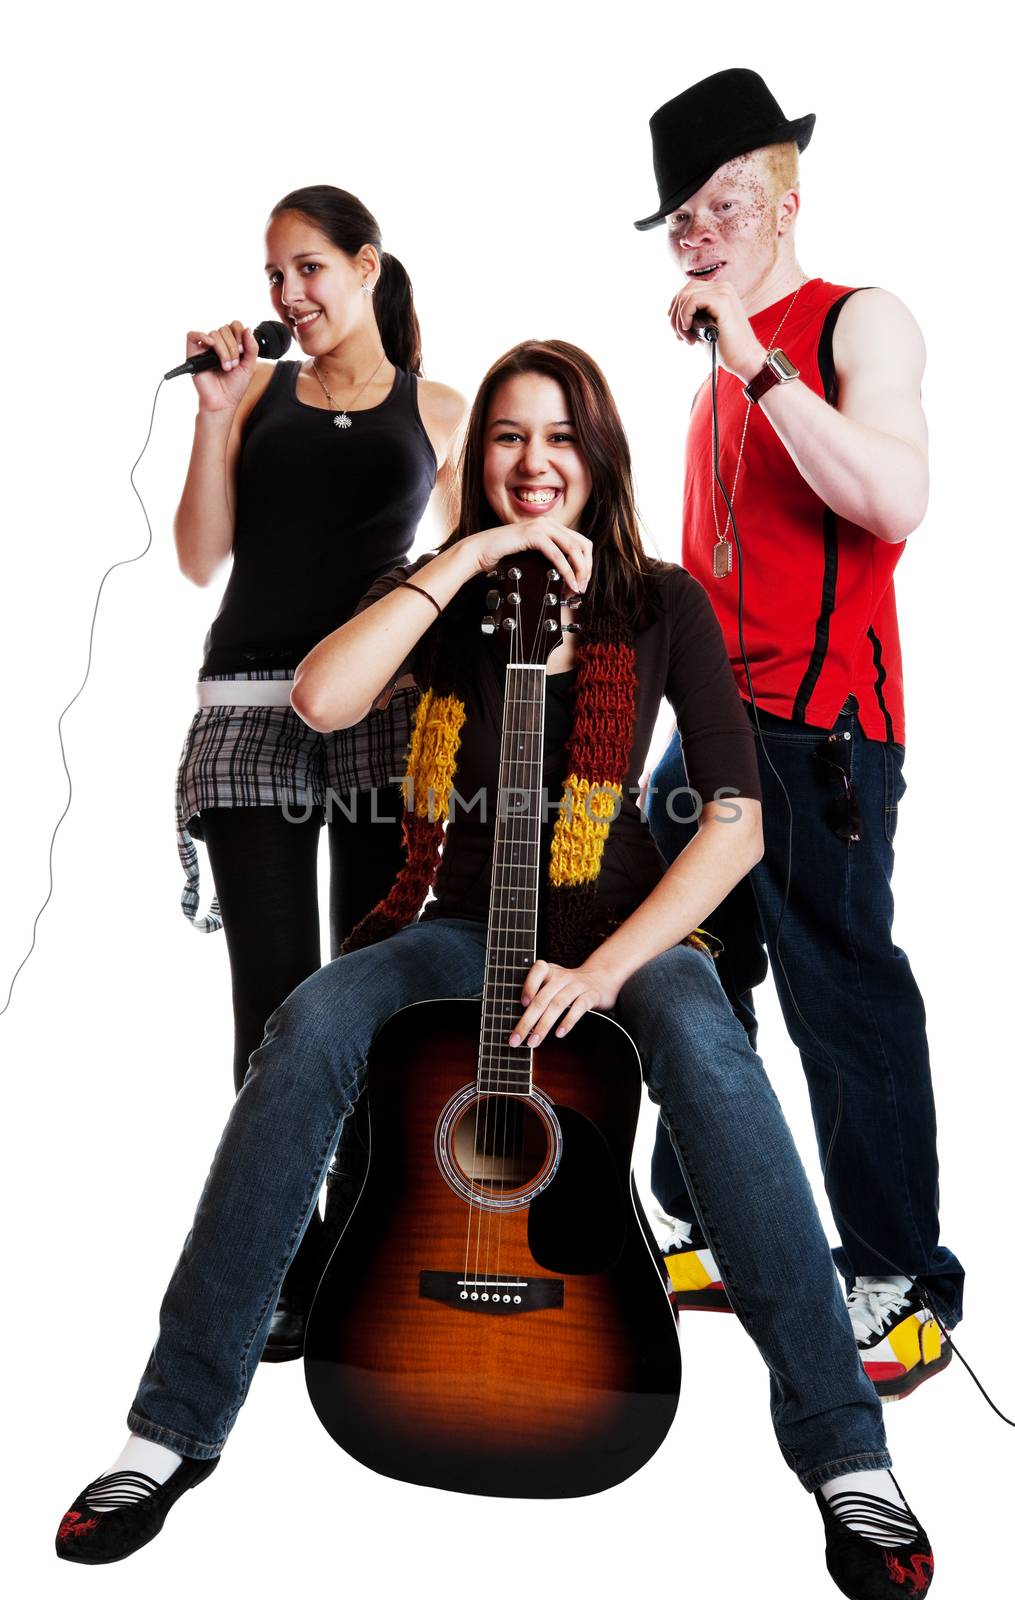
{"type": "Point", "coordinates": [864, 1570]}
{"type": "Point", "coordinates": [139, 1507]}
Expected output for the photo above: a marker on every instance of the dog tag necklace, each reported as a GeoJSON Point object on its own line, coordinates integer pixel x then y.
{"type": "Point", "coordinates": [722, 555]}
{"type": "Point", "coordinates": [343, 419]}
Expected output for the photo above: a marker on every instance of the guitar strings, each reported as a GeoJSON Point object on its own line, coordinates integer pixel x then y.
{"type": "Point", "coordinates": [514, 824]}
{"type": "Point", "coordinates": [510, 845]}
{"type": "Point", "coordinates": [488, 1025]}
{"type": "Point", "coordinates": [530, 742]}
{"type": "Point", "coordinates": [527, 744]}
{"type": "Point", "coordinates": [492, 1170]}
{"type": "Point", "coordinates": [507, 985]}
{"type": "Point", "coordinates": [495, 939]}
{"type": "Point", "coordinates": [497, 1044]}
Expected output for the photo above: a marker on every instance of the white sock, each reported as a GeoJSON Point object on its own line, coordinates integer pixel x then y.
{"type": "Point", "coordinates": [138, 1456]}
{"type": "Point", "coordinates": [881, 1524]}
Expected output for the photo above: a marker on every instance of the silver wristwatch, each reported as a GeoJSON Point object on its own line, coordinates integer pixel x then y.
{"type": "Point", "coordinates": [778, 368]}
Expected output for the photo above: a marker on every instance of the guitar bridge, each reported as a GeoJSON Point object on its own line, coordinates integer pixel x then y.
{"type": "Point", "coordinates": [497, 1294]}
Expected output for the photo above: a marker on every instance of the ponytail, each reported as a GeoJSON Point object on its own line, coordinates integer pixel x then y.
{"type": "Point", "coordinates": [396, 315]}
{"type": "Point", "coordinates": [349, 225]}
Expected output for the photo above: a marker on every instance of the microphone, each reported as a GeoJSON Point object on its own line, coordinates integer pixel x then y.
{"type": "Point", "coordinates": [273, 340]}
{"type": "Point", "coordinates": [704, 325]}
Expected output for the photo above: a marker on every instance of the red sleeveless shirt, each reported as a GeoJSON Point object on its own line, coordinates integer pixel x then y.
{"type": "Point", "coordinates": [819, 598]}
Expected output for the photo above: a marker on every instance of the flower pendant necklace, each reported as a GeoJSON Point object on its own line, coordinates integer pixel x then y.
{"type": "Point", "coordinates": [342, 418]}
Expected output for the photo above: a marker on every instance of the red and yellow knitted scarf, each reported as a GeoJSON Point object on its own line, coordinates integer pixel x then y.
{"type": "Point", "coordinates": [598, 754]}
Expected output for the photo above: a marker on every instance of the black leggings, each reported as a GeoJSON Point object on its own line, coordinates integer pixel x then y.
{"type": "Point", "coordinates": [265, 872]}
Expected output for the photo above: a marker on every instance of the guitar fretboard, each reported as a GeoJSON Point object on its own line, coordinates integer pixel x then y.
{"type": "Point", "coordinates": [514, 883]}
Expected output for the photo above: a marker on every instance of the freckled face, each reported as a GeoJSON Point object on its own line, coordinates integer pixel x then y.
{"type": "Point", "coordinates": [729, 229]}
{"type": "Point", "coordinates": [532, 466]}
{"type": "Point", "coordinates": [316, 288]}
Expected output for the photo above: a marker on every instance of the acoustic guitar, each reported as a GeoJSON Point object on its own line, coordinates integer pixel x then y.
{"type": "Point", "coordinates": [493, 1319]}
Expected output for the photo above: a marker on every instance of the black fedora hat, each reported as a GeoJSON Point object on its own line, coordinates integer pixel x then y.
{"type": "Point", "coordinates": [711, 122]}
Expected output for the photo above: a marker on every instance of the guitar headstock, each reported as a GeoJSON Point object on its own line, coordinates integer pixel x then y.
{"type": "Point", "coordinates": [523, 606]}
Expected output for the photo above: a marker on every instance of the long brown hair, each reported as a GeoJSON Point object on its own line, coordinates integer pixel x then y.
{"type": "Point", "coordinates": [349, 225]}
{"type": "Point", "coordinates": [623, 572]}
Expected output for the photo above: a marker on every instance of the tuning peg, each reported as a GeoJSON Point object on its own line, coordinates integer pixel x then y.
{"type": "Point", "coordinates": [572, 627]}
{"type": "Point", "coordinates": [510, 624]}
{"type": "Point", "coordinates": [549, 599]}
{"type": "Point", "coordinates": [493, 600]}
{"type": "Point", "coordinates": [514, 573]}
{"type": "Point", "coordinates": [549, 625]}
{"type": "Point", "coordinates": [493, 573]}
{"type": "Point", "coordinates": [514, 598]}
{"type": "Point", "coordinates": [572, 601]}
{"type": "Point", "coordinates": [489, 625]}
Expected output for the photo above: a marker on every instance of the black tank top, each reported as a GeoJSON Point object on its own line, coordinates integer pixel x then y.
{"type": "Point", "coordinates": [321, 512]}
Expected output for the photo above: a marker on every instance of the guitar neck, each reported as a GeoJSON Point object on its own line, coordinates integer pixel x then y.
{"type": "Point", "coordinates": [514, 882]}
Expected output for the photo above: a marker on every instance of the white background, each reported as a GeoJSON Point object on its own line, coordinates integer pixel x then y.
{"type": "Point", "coordinates": [505, 151]}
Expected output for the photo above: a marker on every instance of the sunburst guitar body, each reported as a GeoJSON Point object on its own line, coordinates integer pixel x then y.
{"type": "Point", "coordinates": [492, 1320]}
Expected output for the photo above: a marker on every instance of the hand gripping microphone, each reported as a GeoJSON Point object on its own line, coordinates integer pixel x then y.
{"type": "Point", "coordinates": [273, 340]}
{"type": "Point", "coordinates": [704, 325]}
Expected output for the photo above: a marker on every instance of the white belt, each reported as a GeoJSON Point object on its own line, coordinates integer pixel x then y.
{"type": "Point", "coordinates": [244, 692]}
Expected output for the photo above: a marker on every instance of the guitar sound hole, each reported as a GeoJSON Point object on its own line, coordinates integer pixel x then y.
{"type": "Point", "coordinates": [500, 1146]}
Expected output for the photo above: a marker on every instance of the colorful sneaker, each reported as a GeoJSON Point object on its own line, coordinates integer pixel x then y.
{"type": "Point", "coordinates": [694, 1281]}
{"type": "Point", "coordinates": [900, 1342]}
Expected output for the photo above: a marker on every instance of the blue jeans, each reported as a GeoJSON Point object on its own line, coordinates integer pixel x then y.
{"type": "Point", "coordinates": [728, 1132]}
{"type": "Point", "coordinates": [853, 985]}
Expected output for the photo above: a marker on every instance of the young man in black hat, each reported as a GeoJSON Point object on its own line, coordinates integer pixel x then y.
{"type": "Point", "coordinates": [824, 455]}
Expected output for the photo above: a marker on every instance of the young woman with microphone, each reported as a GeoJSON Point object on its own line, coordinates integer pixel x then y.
{"type": "Point", "coordinates": [312, 475]}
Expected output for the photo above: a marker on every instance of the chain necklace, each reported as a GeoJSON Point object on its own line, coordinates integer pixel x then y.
{"type": "Point", "coordinates": [722, 555]}
{"type": "Point", "coordinates": [343, 419]}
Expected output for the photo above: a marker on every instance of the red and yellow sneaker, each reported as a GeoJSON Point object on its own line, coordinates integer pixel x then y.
{"type": "Point", "coordinates": [694, 1281]}
{"type": "Point", "coordinates": [900, 1342]}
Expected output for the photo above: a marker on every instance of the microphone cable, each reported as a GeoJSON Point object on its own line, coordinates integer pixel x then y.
{"type": "Point", "coordinates": [776, 946]}
{"type": "Point", "coordinates": [125, 561]}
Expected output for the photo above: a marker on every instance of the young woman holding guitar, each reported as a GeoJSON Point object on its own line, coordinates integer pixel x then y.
{"type": "Point", "coordinates": [546, 469]}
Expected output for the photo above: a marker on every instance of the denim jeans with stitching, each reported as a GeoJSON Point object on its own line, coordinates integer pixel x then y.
{"type": "Point", "coordinates": [728, 1132]}
{"type": "Point", "coordinates": [854, 988]}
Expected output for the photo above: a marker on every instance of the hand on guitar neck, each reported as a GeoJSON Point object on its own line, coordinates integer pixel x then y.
{"type": "Point", "coordinates": [566, 993]}
{"type": "Point", "coordinates": [569, 552]}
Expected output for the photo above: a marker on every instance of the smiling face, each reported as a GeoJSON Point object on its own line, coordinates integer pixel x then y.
{"type": "Point", "coordinates": [532, 466]}
{"type": "Point", "coordinates": [734, 227]}
{"type": "Point", "coordinates": [316, 289]}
